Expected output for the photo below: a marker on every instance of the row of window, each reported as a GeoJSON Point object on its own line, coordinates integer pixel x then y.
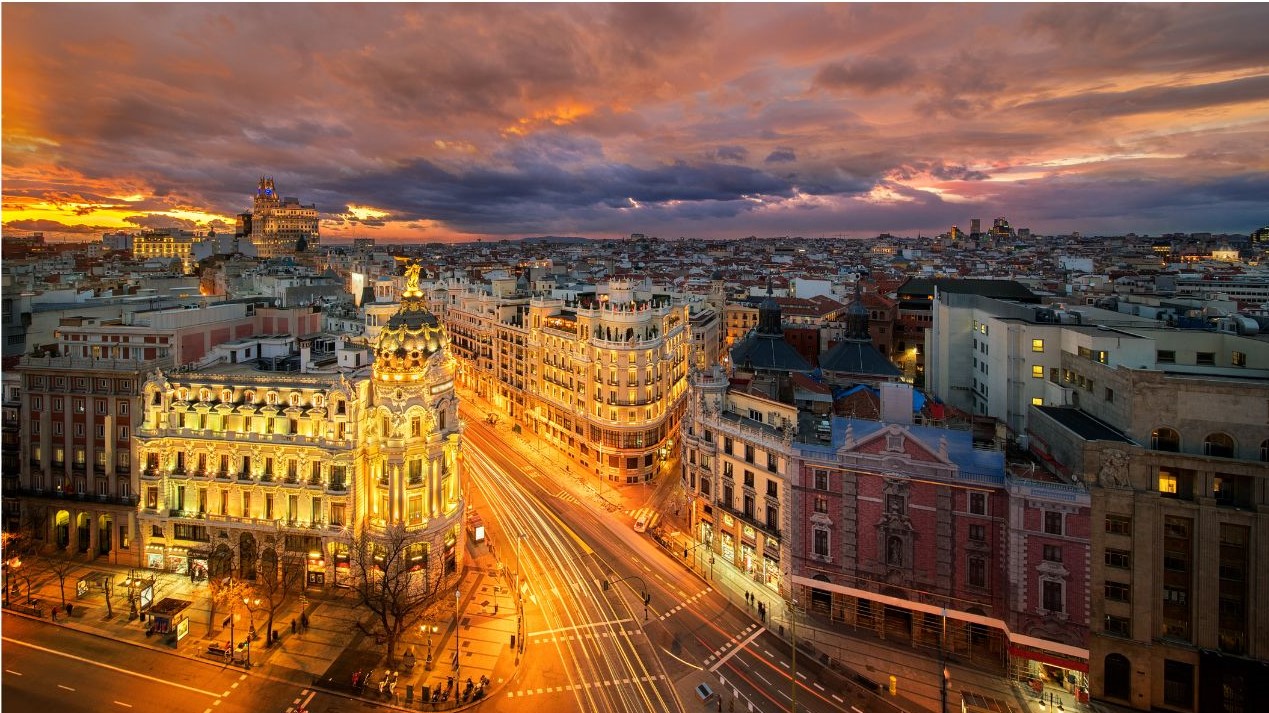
{"type": "Point", "coordinates": [101, 407]}
{"type": "Point", "coordinates": [123, 386]}
{"type": "Point", "coordinates": [1218, 444]}
{"type": "Point", "coordinates": [122, 433]}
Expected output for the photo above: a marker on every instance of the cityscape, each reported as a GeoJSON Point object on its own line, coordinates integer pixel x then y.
{"type": "Point", "coordinates": [613, 367]}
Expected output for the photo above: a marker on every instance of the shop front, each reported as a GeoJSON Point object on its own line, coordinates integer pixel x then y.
{"type": "Point", "coordinates": [315, 570]}
{"type": "Point", "coordinates": [1042, 668]}
{"type": "Point", "coordinates": [198, 558]}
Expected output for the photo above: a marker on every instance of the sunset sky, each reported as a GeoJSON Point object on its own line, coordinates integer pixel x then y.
{"type": "Point", "coordinates": [457, 122]}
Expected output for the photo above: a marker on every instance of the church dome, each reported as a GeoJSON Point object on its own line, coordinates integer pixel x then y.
{"type": "Point", "coordinates": [411, 336]}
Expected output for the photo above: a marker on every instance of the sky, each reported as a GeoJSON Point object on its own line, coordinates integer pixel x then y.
{"type": "Point", "coordinates": [433, 122]}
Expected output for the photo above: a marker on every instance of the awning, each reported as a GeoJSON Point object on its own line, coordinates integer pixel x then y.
{"type": "Point", "coordinates": [1051, 659]}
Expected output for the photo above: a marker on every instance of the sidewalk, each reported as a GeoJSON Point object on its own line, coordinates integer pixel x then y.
{"type": "Point", "coordinates": [327, 652]}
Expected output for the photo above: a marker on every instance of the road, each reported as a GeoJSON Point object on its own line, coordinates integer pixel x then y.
{"type": "Point", "coordinates": [54, 668]}
{"type": "Point", "coordinates": [593, 649]}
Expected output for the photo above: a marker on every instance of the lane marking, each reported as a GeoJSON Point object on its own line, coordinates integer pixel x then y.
{"type": "Point", "coordinates": [111, 668]}
{"type": "Point", "coordinates": [736, 649]}
{"type": "Point", "coordinates": [68, 688]}
{"type": "Point", "coordinates": [121, 703]}
{"type": "Point", "coordinates": [15, 673]}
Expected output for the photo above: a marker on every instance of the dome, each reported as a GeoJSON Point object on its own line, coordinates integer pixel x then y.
{"type": "Point", "coordinates": [411, 336]}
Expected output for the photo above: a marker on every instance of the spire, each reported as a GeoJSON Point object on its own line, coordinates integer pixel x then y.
{"type": "Point", "coordinates": [857, 316]}
{"type": "Point", "coordinates": [769, 314]}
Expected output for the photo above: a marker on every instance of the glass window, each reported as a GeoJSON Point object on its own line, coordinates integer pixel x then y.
{"type": "Point", "coordinates": [1037, 401]}
{"type": "Point", "coordinates": [1037, 345]}
{"type": "Point", "coordinates": [1037, 371]}
{"type": "Point", "coordinates": [978, 503]}
{"type": "Point", "coordinates": [1053, 523]}
{"type": "Point", "coordinates": [1054, 596]}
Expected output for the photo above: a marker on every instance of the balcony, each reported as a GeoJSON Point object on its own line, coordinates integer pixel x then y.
{"type": "Point", "coordinates": [128, 500]}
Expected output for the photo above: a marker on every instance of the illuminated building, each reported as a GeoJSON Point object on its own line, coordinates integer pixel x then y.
{"type": "Point", "coordinates": [279, 226]}
{"type": "Point", "coordinates": [263, 460]}
{"type": "Point", "coordinates": [600, 375]}
{"type": "Point", "coordinates": [164, 244]}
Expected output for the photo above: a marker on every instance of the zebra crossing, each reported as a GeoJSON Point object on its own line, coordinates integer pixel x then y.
{"type": "Point", "coordinates": [730, 647]}
{"type": "Point", "coordinates": [690, 600]}
{"type": "Point", "coordinates": [580, 686]}
{"type": "Point", "coordinates": [651, 515]}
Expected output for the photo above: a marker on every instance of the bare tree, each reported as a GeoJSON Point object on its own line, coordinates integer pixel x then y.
{"type": "Point", "coordinates": [227, 595]}
{"type": "Point", "coordinates": [394, 579]}
{"type": "Point", "coordinates": [61, 563]}
{"type": "Point", "coordinates": [274, 586]}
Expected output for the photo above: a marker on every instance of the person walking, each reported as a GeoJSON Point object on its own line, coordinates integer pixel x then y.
{"type": "Point", "coordinates": [293, 626]}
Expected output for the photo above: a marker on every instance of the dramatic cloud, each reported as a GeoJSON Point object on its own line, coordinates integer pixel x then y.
{"type": "Point", "coordinates": [453, 122]}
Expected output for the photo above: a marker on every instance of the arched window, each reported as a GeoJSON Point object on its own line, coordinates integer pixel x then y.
{"type": "Point", "coordinates": [1165, 439]}
{"type": "Point", "coordinates": [1117, 677]}
{"type": "Point", "coordinates": [1218, 444]}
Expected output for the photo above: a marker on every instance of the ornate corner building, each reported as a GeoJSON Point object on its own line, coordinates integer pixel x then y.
{"type": "Point", "coordinates": [262, 462]}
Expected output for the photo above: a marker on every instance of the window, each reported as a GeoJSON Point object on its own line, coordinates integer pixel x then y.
{"type": "Point", "coordinates": [337, 513]}
{"type": "Point", "coordinates": [773, 518]}
{"type": "Point", "coordinates": [1110, 395]}
{"type": "Point", "coordinates": [1037, 345]}
{"type": "Point", "coordinates": [1178, 684]}
{"type": "Point", "coordinates": [1118, 626]}
{"type": "Point", "coordinates": [820, 543]}
{"type": "Point", "coordinates": [1037, 401]}
{"type": "Point", "coordinates": [978, 533]}
{"type": "Point", "coordinates": [1205, 358]}
{"type": "Point", "coordinates": [1119, 524]}
{"type": "Point", "coordinates": [1165, 439]}
{"type": "Point", "coordinates": [1238, 359]}
{"type": "Point", "coordinates": [1052, 523]}
{"type": "Point", "coordinates": [821, 478]}
{"type": "Point", "coordinates": [773, 489]}
{"type": "Point", "coordinates": [1054, 596]}
{"type": "Point", "coordinates": [1118, 592]}
{"type": "Point", "coordinates": [895, 504]}
{"type": "Point", "coordinates": [1165, 356]}
{"type": "Point", "coordinates": [976, 572]}
{"type": "Point", "coordinates": [978, 503]}
{"type": "Point", "coordinates": [1119, 559]}
{"type": "Point", "coordinates": [1037, 371]}
{"type": "Point", "coordinates": [749, 453]}
{"type": "Point", "coordinates": [1052, 553]}
{"type": "Point", "coordinates": [1219, 445]}
{"type": "Point", "coordinates": [821, 503]}
{"type": "Point", "coordinates": [748, 479]}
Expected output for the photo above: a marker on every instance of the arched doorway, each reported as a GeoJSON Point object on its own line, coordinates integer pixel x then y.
{"type": "Point", "coordinates": [105, 526]}
{"type": "Point", "coordinates": [1117, 674]}
{"type": "Point", "coordinates": [61, 529]}
{"type": "Point", "coordinates": [269, 565]}
{"type": "Point", "coordinates": [247, 554]}
{"type": "Point", "coordinates": [221, 563]}
{"type": "Point", "coordinates": [83, 524]}
{"type": "Point", "coordinates": [821, 599]}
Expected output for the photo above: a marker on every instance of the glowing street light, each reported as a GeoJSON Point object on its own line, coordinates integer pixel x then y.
{"type": "Point", "coordinates": [429, 629]}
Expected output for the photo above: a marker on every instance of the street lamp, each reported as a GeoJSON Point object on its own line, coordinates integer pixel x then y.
{"type": "Point", "coordinates": [430, 629]}
{"type": "Point", "coordinates": [251, 624]}
{"type": "Point", "coordinates": [458, 623]}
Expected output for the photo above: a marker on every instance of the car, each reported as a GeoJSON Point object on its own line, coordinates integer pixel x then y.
{"type": "Point", "coordinates": [641, 525]}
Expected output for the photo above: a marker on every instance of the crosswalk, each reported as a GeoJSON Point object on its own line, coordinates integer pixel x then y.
{"type": "Point", "coordinates": [730, 647]}
{"type": "Point", "coordinates": [580, 686]}
{"type": "Point", "coordinates": [690, 600]}
{"type": "Point", "coordinates": [652, 516]}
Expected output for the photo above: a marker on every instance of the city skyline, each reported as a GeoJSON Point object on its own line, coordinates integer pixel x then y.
{"type": "Point", "coordinates": [444, 123]}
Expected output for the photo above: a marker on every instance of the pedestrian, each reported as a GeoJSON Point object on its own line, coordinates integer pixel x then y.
{"type": "Point", "coordinates": [720, 703]}
{"type": "Point", "coordinates": [304, 620]}
{"type": "Point", "coordinates": [292, 626]}
{"type": "Point", "coordinates": [54, 610]}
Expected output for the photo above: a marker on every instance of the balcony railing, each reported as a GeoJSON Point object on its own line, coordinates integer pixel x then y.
{"type": "Point", "coordinates": [129, 500]}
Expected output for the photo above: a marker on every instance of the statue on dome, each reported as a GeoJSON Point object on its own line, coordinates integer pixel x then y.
{"type": "Point", "coordinates": [412, 277]}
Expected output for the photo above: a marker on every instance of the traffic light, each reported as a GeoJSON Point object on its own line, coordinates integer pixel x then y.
{"type": "Point", "coordinates": [647, 599]}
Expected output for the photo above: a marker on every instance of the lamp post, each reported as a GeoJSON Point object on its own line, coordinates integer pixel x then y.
{"type": "Point", "coordinates": [248, 602]}
{"type": "Point", "coordinates": [943, 663]}
{"type": "Point", "coordinates": [430, 629]}
{"type": "Point", "coordinates": [793, 685]}
{"type": "Point", "coordinates": [519, 601]}
{"type": "Point", "coordinates": [458, 623]}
